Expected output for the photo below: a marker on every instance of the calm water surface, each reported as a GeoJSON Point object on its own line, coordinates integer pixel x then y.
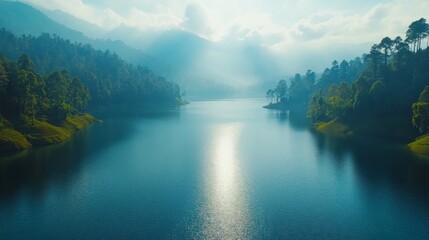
{"type": "Point", "coordinates": [213, 170]}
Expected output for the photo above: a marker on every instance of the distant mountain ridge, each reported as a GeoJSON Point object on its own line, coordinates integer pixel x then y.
{"type": "Point", "coordinates": [203, 68]}
{"type": "Point", "coordinates": [23, 19]}
{"type": "Point", "coordinates": [75, 23]}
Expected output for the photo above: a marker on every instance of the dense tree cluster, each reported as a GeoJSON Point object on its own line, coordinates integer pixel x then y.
{"type": "Point", "coordinates": [395, 74]}
{"type": "Point", "coordinates": [302, 86]}
{"type": "Point", "coordinates": [385, 83]}
{"type": "Point", "coordinates": [108, 78]}
{"type": "Point", "coordinates": [26, 94]}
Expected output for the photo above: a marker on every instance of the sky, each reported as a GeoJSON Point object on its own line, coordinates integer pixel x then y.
{"type": "Point", "coordinates": [272, 22]}
{"type": "Point", "coordinates": [336, 28]}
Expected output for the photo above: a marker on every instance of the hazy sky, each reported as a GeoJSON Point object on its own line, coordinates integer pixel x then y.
{"type": "Point", "coordinates": [279, 25]}
{"type": "Point", "coordinates": [271, 22]}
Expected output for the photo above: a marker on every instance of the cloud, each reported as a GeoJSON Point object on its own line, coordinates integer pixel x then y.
{"type": "Point", "coordinates": [293, 29]}
{"type": "Point", "coordinates": [314, 41]}
{"type": "Point", "coordinates": [331, 27]}
{"type": "Point", "coordinates": [196, 20]}
{"type": "Point", "coordinates": [162, 19]}
{"type": "Point", "coordinates": [103, 17]}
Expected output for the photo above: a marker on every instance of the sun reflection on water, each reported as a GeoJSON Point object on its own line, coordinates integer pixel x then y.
{"type": "Point", "coordinates": [225, 213]}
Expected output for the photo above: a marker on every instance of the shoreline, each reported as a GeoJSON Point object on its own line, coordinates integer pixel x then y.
{"type": "Point", "coordinates": [20, 137]}
{"type": "Point", "coordinates": [420, 144]}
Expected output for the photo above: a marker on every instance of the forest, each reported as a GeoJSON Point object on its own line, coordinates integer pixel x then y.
{"type": "Point", "coordinates": [45, 93]}
{"type": "Point", "coordinates": [383, 93]}
{"type": "Point", "coordinates": [25, 94]}
{"type": "Point", "coordinates": [108, 78]}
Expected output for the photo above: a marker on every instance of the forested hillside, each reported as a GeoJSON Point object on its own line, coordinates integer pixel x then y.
{"type": "Point", "coordinates": [26, 94]}
{"type": "Point", "coordinates": [108, 78]}
{"type": "Point", "coordinates": [22, 19]}
{"type": "Point", "coordinates": [296, 94]}
{"type": "Point", "coordinates": [395, 74]}
{"type": "Point", "coordinates": [46, 84]}
{"type": "Point", "coordinates": [383, 93]}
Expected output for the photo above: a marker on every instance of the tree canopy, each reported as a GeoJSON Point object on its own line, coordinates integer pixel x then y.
{"type": "Point", "coordinates": [26, 94]}
{"type": "Point", "coordinates": [389, 82]}
{"type": "Point", "coordinates": [395, 74]}
{"type": "Point", "coordinates": [108, 78]}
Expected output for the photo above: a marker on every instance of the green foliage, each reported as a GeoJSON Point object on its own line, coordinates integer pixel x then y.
{"type": "Point", "coordinates": [25, 63]}
{"type": "Point", "coordinates": [417, 31]}
{"type": "Point", "coordinates": [420, 117]}
{"type": "Point", "coordinates": [43, 133]}
{"type": "Point", "coordinates": [373, 95]}
{"type": "Point", "coordinates": [318, 108]}
{"type": "Point", "coordinates": [108, 78]}
{"type": "Point", "coordinates": [420, 145]}
{"type": "Point", "coordinates": [78, 121]}
{"type": "Point", "coordinates": [424, 96]}
{"type": "Point", "coordinates": [12, 140]}
{"type": "Point", "coordinates": [3, 74]}
{"type": "Point", "coordinates": [302, 87]}
{"type": "Point", "coordinates": [27, 94]}
{"type": "Point", "coordinates": [333, 127]}
{"type": "Point", "coordinates": [281, 90]}
{"type": "Point", "coordinates": [391, 80]}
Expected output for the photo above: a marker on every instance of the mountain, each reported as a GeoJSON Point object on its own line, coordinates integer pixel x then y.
{"type": "Point", "coordinates": [229, 66]}
{"type": "Point", "coordinates": [75, 23]}
{"type": "Point", "coordinates": [203, 68]}
{"type": "Point", "coordinates": [20, 19]}
{"type": "Point", "coordinates": [24, 19]}
{"type": "Point", "coordinates": [175, 47]}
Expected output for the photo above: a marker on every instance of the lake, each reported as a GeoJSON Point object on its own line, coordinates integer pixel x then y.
{"type": "Point", "coordinates": [225, 169]}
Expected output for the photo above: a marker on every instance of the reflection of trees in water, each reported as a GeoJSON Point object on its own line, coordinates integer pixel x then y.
{"type": "Point", "coordinates": [377, 162]}
{"type": "Point", "coordinates": [279, 115]}
{"type": "Point", "coordinates": [32, 171]}
{"type": "Point", "coordinates": [38, 169]}
{"type": "Point", "coordinates": [298, 119]}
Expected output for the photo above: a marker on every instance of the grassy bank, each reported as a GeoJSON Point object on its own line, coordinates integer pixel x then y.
{"type": "Point", "coordinates": [420, 145]}
{"type": "Point", "coordinates": [333, 127]}
{"type": "Point", "coordinates": [393, 127]}
{"type": "Point", "coordinates": [18, 137]}
{"type": "Point", "coordinates": [390, 128]}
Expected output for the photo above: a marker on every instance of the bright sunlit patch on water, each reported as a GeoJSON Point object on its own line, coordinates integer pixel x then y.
{"type": "Point", "coordinates": [225, 213]}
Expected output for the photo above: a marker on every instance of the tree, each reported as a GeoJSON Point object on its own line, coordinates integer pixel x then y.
{"type": "Point", "coordinates": [416, 32]}
{"type": "Point", "coordinates": [420, 109]}
{"type": "Point", "coordinates": [57, 89]}
{"type": "Point", "coordinates": [3, 74]}
{"type": "Point", "coordinates": [310, 76]}
{"type": "Point", "coordinates": [281, 90]}
{"type": "Point", "coordinates": [78, 94]}
{"type": "Point", "coordinates": [378, 95]}
{"type": "Point", "coordinates": [270, 95]}
{"type": "Point", "coordinates": [386, 45]}
{"type": "Point", "coordinates": [374, 60]}
{"type": "Point", "coordinates": [108, 78]}
{"type": "Point", "coordinates": [29, 87]}
{"type": "Point", "coordinates": [25, 63]}
{"type": "Point", "coordinates": [317, 110]}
